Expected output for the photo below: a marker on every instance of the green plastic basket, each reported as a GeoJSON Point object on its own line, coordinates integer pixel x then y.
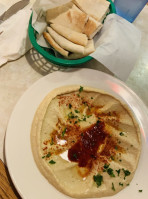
{"type": "Point", "coordinates": [49, 54]}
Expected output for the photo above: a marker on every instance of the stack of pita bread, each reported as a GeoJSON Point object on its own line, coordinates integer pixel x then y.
{"type": "Point", "coordinates": [72, 26]}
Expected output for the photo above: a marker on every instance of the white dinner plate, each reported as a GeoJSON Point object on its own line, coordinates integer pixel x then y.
{"type": "Point", "coordinates": [24, 173]}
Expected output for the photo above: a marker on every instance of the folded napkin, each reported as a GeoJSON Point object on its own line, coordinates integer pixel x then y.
{"type": "Point", "coordinates": [118, 46]}
{"type": "Point", "coordinates": [14, 40]}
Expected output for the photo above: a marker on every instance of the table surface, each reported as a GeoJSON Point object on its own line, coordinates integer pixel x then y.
{"type": "Point", "coordinates": [17, 76]}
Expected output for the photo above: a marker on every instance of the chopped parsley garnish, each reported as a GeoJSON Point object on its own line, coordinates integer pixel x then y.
{"type": "Point", "coordinates": [75, 122]}
{"type": "Point", "coordinates": [112, 157]}
{"type": "Point", "coordinates": [120, 160]}
{"type": "Point", "coordinates": [75, 155]}
{"type": "Point", "coordinates": [121, 134]}
{"type": "Point", "coordinates": [84, 119]}
{"type": "Point", "coordinates": [118, 171]}
{"type": "Point", "coordinates": [88, 116]}
{"type": "Point", "coordinates": [76, 111]}
{"type": "Point", "coordinates": [98, 121]}
{"type": "Point", "coordinates": [51, 143]}
{"type": "Point", "coordinates": [85, 103]}
{"type": "Point", "coordinates": [64, 131]}
{"type": "Point", "coordinates": [127, 184]}
{"type": "Point", "coordinates": [52, 162]}
{"type": "Point", "coordinates": [106, 166]}
{"type": "Point", "coordinates": [43, 157]}
{"type": "Point", "coordinates": [80, 89]}
{"type": "Point", "coordinates": [126, 173]}
{"type": "Point", "coordinates": [113, 187]}
{"type": "Point", "coordinates": [116, 147]}
{"type": "Point", "coordinates": [48, 155]}
{"type": "Point", "coordinates": [71, 115]}
{"type": "Point", "coordinates": [70, 106]}
{"type": "Point", "coordinates": [140, 190]}
{"type": "Point", "coordinates": [121, 184]}
{"type": "Point", "coordinates": [92, 98]}
{"type": "Point", "coordinates": [98, 179]}
{"type": "Point", "coordinates": [110, 172]}
{"type": "Point", "coordinates": [78, 95]}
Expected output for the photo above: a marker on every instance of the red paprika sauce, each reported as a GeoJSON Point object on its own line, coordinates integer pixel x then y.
{"type": "Point", "coordinates": [85, 150]}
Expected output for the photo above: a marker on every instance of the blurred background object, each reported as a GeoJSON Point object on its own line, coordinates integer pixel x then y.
{"type": "Point", "coordinates": [129, 9]}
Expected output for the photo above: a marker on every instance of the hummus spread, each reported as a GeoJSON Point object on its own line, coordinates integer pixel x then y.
{"type": "Point", "coordinates": [85, 142]}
